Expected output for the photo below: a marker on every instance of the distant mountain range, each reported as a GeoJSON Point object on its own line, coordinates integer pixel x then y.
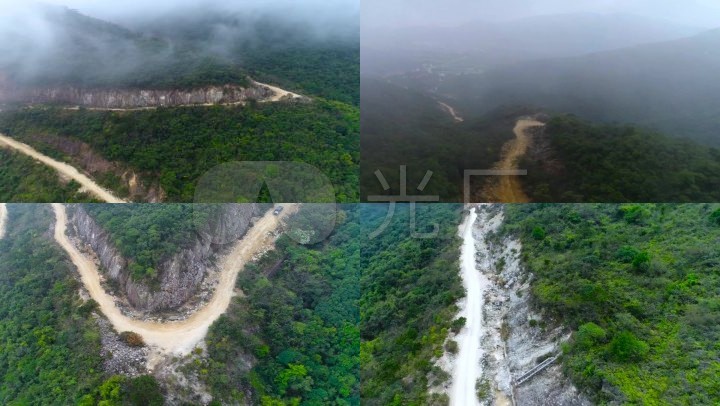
{"type": "Point", "coordinates": [670, 86]}
{"type": "Point", "coordinates": [489, 44]}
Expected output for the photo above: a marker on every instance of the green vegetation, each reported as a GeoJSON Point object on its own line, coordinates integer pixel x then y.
{"type": "Point", "coordinates": [24, 180]}
{"type": "Point", "coordinates": [176, 146]}
{"type": "Point", "coordinates": [146, 234]}
{"type": "Point", "coordinates": [49, 353]}
{"type": "Point", "coordinates": [410, 287]}
{"type": "Point", "coordinates": [331, 70]}
{"type": "Point", "coordinates": [50, 350]}
{"type": "Point", "coordinates": [297, 325]}
{"type": "Point", "coordinates": [639, 286]}
{"type": "Point", "coordinates": [610, 163]}
{"type": "Point", "coordinates": [404, 127]}
{"type": "Point", "coordinates": [118, 390]}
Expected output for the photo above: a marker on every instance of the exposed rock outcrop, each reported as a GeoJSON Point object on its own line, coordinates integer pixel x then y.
{"type": "Point", "coordinates": [180, 275]}
{"type": "Point", "coordinates": [134, 98]}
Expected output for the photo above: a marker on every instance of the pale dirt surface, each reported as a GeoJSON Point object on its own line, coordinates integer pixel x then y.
{"type": "Point", "coordinates": [181, 337]}
{"type": "Point", "coordinates": [63, 169]}
{"type": "Point", "coordinates": [508, 188]}
{"type": "Point", "coordinates": [451, 111]}
{"type": "Point", "coordinates": [279, 94]}
{"type": "Point", "coordinates": [466, 368]}
{"type": "Point", "coordinates": [3, 219]}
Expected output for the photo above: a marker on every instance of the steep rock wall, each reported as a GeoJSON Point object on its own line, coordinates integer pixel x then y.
{"type": "Point", "coordinates": [133, 98]}
{"type": "Point", "coordinates": [181, 274]}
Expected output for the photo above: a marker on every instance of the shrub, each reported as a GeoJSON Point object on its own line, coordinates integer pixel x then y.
{"type": "Point", "coordinates": [538, 233]}
{"type": "Point", "coordinates": [451, 346]}
{"type": "Point", "coordinates": [588, 335]}
{"type": "Point", "coordinates": [132, 339]}
{"type": "Point", "coordinates": [458, 324]}
{"type": "Point", "coordinates": [626, 347]}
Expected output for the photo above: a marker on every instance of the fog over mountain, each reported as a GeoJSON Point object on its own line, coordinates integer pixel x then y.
{"type": "Point", "coordinates": [135, 42]}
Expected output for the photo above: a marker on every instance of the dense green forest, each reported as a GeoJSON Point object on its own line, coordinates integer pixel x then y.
{"type": "Point", "coordinates": [24, 180]}
{"type": "Point", "coordinates": [297, 324]}
{"type": "Point", "coordinates": [404, 127]}
{"type": "Point", "coordinates": [176, 146]}
{"type": "Point", "coordinates": [50, 349]}
{"type": "Point", "coordinates": [639, 285]}
{"type": "Point", "coordinates": [146, 234]}
{"type": "Point", "coordinates": [331, 70]}
{"type": "Point", "coordinates": [613, 163]}
{"type": "Point", "coordinates": [410, 287]}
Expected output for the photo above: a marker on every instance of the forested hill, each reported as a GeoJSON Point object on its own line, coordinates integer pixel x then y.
{"type": "Point", "coordinates": [639, 287]}
{"type": "Point", "coordinates": [181, 51]}
{"type": "Point", "coordinates": [50, 346]}
{"type": "Point", "coordinates": [292, 338]}
{"type": "Point", "coordinates": [78, 50]}
{"type": "Point", "coordinates": [586, 162]}
{"type": "Point", "coordinates": [670, 86]}
{"type": "Point", "coordinates": [402, 126]}
{"type": "Point", "coordinates": [410, 287]}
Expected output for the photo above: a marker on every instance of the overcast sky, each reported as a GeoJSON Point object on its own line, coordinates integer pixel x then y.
{"type": "Point", "coordinates": [383, 13]}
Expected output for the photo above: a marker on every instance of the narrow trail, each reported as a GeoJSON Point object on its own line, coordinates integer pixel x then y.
{"type": "Point", "coordinates": [451, 111]}
{"type": "Point", "coordinates": [173, 338]}
{"type": "Point", "coordinates": [508, 188]}
{"type": "Point", "coordinates": [63, 169]}
{"type": "Point", "coordinates": [3, 219]}
{"type": "Point", "coordinates": [475, 260]}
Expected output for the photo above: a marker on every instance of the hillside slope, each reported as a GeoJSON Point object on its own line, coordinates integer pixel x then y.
{"type": "Point", "coordinates": [670, 86]}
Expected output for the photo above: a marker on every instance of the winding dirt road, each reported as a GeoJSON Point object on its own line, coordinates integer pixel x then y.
{"type": "Point", "coordinates": [63, 169]}
{"type": "Point", "coordinates": [3, 219]}
{"type": "Point", "coordinates": [451, 111]}
{"type": "Point", "coordinates": [182, 336]}
{"type": "Point", "coordinates": [508, 189]}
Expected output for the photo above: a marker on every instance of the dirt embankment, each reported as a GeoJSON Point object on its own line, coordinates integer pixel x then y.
{"type": "Point", "coordinates": [508, 188]}
{"type": "Point", "coordinates": [179, 337]}
{"type": "Point", "coordinates": [65, 170]}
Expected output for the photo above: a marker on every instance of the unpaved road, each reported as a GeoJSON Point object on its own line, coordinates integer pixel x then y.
{"type": "Point", "coordinates": [451, 111]}
{"type": "Point", "coordinates": [508, 188]}
{"type": "Point", "coordinates": [475, 261]}
{"type": "Point", "coordinates": [88, 185]}
{"type": "Point", "coordinates": [182, 336]}
{"type": "Point", "coordinates": [3, 219]}
{"type": "Point", "coordinates": [278, 93]}
{"type": "Point", "coordinates": [466, 368]}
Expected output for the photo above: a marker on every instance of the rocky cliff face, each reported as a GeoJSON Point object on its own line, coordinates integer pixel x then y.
{"type": "Point", "coordinates": [181, 274]}
{"type": "Point", "coordinates": [133, 98]}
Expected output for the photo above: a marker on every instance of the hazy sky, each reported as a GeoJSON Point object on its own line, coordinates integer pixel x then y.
{"type": "Point", "coordinates": [702, 13]}
{"type": "Point", "coordinates": [110, 8]}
